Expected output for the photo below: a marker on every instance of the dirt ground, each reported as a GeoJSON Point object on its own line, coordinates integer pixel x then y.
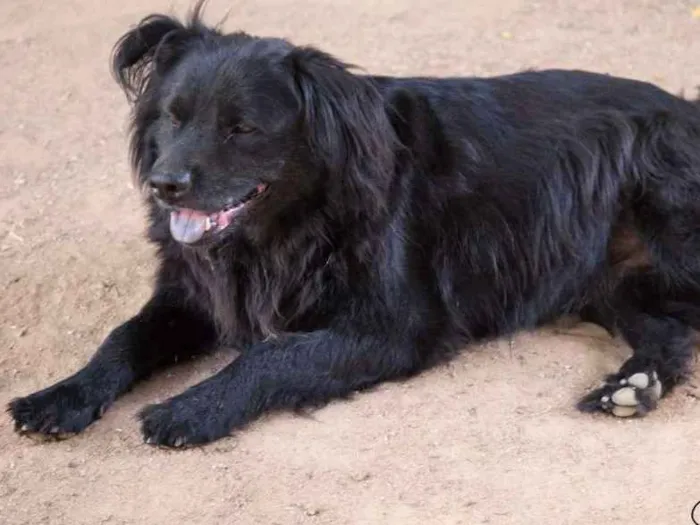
{"type": "Point", "coordinates": [491, 438]}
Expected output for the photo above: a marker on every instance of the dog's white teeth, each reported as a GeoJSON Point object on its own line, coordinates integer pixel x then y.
{"type": "Point", "coordinates": [209, 224]}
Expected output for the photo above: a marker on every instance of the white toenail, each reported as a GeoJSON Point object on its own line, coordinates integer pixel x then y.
{"type": "Point", "coordinates": [625, 397]}
{"type": "Point", "coordinates": [640, 380]}
{"type": "Point", "coordinates": [621, 411]}
{"type": "Point", "coordinates": [605, 399]}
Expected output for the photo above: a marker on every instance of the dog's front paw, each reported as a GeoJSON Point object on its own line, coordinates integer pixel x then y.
{"type": "Point", "coordinates": [178, 423]}
{"type": "Point", "coordinates": [57, 412]}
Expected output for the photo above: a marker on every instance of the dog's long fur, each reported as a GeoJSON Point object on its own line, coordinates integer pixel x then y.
{"type": "Point", "coordinates": [404, 218]}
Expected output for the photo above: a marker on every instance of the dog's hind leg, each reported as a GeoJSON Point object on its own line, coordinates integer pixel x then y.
{"type": "Point", "coordinates": [657, 300]}
{"type": "Point", "coordinates": [662, 345]}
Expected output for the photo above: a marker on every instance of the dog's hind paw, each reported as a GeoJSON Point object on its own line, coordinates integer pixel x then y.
{"type": "Point", "coordinates": [625, 396]}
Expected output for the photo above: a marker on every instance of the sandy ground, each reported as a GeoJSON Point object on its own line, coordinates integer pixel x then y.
{"type": "Point", "coordinates": [492, 438]}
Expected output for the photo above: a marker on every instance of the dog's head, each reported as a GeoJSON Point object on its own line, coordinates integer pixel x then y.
{"type": "Point", "coordinates": [234, 131]}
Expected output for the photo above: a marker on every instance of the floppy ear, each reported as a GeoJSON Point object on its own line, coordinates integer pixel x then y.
{"type": "Point", "coordinates": [346, 124]}
{"type": "Point", "coordinates": [154, 45]}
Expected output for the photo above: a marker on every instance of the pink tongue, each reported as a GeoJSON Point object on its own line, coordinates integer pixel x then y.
{"type": "Point", "coordinates": [187, 226]}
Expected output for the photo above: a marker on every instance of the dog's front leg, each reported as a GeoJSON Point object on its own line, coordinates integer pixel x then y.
{"type": "Point", "coordinates": [292, 372]}
{"type": "Point", "coordinates": [164, 331]}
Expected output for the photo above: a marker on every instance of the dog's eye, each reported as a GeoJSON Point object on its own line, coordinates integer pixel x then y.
{"type": "Point", "coordinates": [243, 128]}
{"type": "Point", "coordinates": [238, 129]}
{"type": "Point", "coordinates": [175, 122]}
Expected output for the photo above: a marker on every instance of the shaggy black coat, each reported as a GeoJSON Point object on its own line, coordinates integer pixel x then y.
{"type": "Point", "coordinates": [386, 223]}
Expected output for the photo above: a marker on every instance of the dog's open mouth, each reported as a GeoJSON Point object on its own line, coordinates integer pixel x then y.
{"type": "Point", "coordinates": [190, 226]}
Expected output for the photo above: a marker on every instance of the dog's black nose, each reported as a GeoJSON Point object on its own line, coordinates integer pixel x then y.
{"type": "Point", "coordinates": [170, 186]}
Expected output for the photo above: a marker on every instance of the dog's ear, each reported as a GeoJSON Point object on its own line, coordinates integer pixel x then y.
{"type": "Point", "coordinates": [346, 121]}
{"type": "Point", "coordinates": [154, 45]}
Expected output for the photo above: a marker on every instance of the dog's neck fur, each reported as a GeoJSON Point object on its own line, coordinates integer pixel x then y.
{"type": "Point", "coordinates": [256, 291]}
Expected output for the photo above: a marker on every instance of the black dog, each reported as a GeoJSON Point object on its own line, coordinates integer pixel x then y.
{"type": "Point", "coordinates": [345, 230]}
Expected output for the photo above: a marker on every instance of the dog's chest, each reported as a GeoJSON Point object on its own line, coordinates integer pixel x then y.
{"type": "Point", "coordinates": [245, 300]}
